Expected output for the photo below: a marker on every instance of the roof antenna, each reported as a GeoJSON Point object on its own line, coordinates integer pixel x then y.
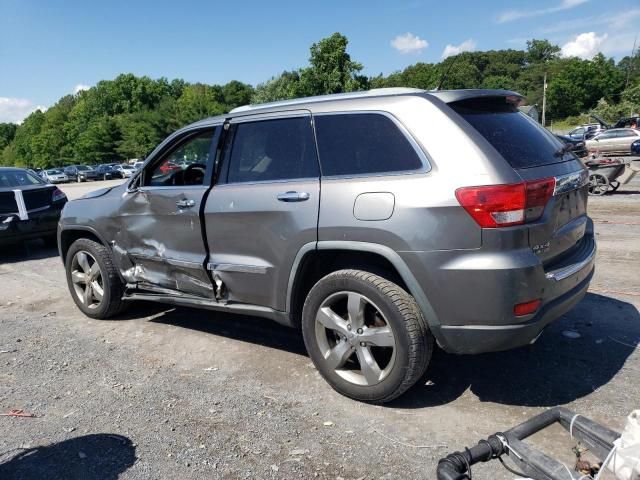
{"type": "Point", "coordinates": [446, 74]}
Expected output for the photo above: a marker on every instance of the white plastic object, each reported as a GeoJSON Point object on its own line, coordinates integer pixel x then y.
{"type": "Point", "coordinates": [625, 463]}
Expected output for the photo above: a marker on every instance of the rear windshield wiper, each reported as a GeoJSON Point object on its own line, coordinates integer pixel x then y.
{"type": "Point", "coordinates": [567, 147]}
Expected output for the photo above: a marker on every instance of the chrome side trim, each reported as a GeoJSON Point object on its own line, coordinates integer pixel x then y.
{"type": "Point", "coordinates": [562, 273]}
{"type": "Point", "coordinates": [170, 261]}
{"type": "Point", "coordinates": [230, 267]}
{"type": "Point", "coordinates": [571, 181]}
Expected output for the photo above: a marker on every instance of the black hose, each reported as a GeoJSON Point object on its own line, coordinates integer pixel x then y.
{"type": "Point", "coordinates": [457, 465]}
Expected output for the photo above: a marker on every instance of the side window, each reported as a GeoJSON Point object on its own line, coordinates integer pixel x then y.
{"type": "Point", "coordinates": [183, 165]}
{"type": "Point", "coordinates": [606, 135]}
{"type": "Point", "coordinates": [352, 144]}
{"type": "Point", "coordinates": [268, 150]}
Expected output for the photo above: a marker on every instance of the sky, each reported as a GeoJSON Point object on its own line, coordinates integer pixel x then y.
{"type": "Point", "coordinates": [52, 48]}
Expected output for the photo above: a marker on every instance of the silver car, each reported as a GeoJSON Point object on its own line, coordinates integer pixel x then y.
{"type": "Point", "coordinates": [352, 218]}
{"type": "Point", "coordinates": [615, 140]}
{"type": "Point", "coordinates": [54, 175]}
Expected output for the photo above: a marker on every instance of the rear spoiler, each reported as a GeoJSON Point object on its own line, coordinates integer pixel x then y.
{"type": "Point", "coordinates": [451, 96]}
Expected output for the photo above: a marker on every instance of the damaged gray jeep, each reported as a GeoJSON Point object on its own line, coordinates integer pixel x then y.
{"type": "Point", "coordinates": [379, 223]}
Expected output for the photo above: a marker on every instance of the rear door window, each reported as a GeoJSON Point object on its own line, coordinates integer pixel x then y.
{"type": "Point", "coordinates": [363, 143]}
{"type": "Point", "coordinates": [521, 141]}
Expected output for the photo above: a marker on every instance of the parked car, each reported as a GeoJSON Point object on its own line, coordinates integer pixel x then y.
{"type": "Point", "coordinates": [577, 146]}
{"type": "Point", "coordinates": [106, 172]}
{"type": "Point", "coordinates": [54, 175]}
{"type": "Point", "coordinates": [615, 140]}
{"type": "Point", "coordinates": [124, 170]}
{"type": "Point", "coordinates": [29, 207]}
{"type": "Point", "coordinates": [629, 122]}
{"type": "Point", "coordinates": [585, 132]}
{"type": "Point", "coordinates": [138, 165]}
{"type": "Point", "coordinates": [353, 218]}
{"type": "Point", "coordinates": [81, 173]}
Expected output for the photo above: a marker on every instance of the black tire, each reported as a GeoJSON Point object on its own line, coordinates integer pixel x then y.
{"type": "Point", "coordinates": [112, 287]}
{"type": "Point", "coordinates": [413, 342]}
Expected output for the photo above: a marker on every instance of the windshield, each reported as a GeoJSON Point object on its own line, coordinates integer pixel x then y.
{"type": "Point", "coordinates": [517, 137]}
{"type": "Point", "coordinates": [19, 178]}
{"type": "Point", "coordinates": [54, 172]}
{"type": "Point", "coordinates": [127, 167]}
{"type": "Point", "coordinates": [84, 167]}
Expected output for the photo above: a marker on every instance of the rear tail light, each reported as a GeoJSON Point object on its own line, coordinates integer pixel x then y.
{"type": "Point", "coordinates": [526, 308]}
{"type": "Point", "coordinates": [57, 195]}
{"type": "Point", "coordinates": [493, 206]}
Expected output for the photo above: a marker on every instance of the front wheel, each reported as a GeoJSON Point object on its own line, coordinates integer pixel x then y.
{"type": "Point", "coordinates": [365, 335]}
{"type": "Point", "coordinates": [93, 281]}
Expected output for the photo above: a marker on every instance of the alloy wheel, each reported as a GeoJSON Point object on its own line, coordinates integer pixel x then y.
{"type": "Point", "coordinates": [355, 338]}
{"type": "Point", "coordinates": [86, 277]}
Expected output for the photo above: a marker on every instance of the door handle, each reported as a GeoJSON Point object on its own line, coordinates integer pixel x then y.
{"type": "Point", "coordinates": [185, 203]}
{"type": "Point", "coordinates": [293, 196]}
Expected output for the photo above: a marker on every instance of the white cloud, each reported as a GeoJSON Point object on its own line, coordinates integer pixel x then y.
{"type": "Point", "coordinates": [511, 15]}
{"type": "Point", "coordinates": [80, 87]}
{"type": "Point", "coordinates": [585, 45]}
{"type": "Point", "coordinates": [466, 46]}
{"type": "Point", "coordinates": [613, 21]}
{"type": "Point", "coordinates": [15, 110]}
{"type": "Point", "coordinates": [409, 43]}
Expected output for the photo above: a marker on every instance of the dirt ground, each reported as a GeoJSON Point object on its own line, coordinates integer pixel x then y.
{"type": "Point", "coordinates": [178, 393]}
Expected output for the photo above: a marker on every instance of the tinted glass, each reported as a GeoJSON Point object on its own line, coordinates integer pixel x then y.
{"type": "Point", "coordinates": [273, 150]}
{"type": "Point", "coordinates": [352, 144]}
{"type": "Point", "coordinates": [18, 178]}
{"type": "Point", "coordinates": [626, 133]}
{"type": "Point", "coordinates": [519, 139]}
{"type": "Point", "coordinates": [184, 165]}
{"type": "Point", "coordinates": [605, 135]}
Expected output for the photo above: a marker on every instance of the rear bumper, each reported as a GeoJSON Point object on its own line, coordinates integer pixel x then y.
{"type": "Point", "coordinates": [472, 293]}
{"type": "Point", "coordinates": [40, 224]}
{"type": "Point", "coordinates": [472, 339]}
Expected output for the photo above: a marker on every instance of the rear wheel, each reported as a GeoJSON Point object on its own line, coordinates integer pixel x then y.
{"type": "Point", "coordinates": [365, 335]}
{"type": "Point", "coordinates": [93, 281]}
{"type": "Point", "coordinates": [598, 184]}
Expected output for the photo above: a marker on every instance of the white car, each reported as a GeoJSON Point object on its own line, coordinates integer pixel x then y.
{"type": "Point", "coordinates": [125, 171]}
{"type": "Point", "coordinates": [615, 140]}
{"type": "Point", "coordinates": [54, 175]}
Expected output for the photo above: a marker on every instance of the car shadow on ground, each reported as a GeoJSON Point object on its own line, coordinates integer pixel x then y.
{"type": "Point", "coordinates": [29, 250]}
{"type": "Point", "coordinates": [556, 370]}
{"type": "Point", "coordinates": [259, 331]}
{"type": "Point", "coordinates": [98, 456]}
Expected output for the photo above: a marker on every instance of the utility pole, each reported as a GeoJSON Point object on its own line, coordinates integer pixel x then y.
{"type": "Point", "coordinates": [632, 62]}
{"type": "Point", "coordinates": [544, 99]}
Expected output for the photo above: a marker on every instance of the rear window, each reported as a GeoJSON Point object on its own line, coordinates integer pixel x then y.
{"type": "Point", "coordinates": [18, 178]}
{"type": "Point", "coordinates": [518, 138]}
{"type": "Point", "coordinates": [363, 143]}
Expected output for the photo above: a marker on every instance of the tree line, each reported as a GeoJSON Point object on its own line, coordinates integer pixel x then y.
{"type": "Point", "coordinates": [126, 117]}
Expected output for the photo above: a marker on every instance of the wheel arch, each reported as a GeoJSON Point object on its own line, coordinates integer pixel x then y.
{"type": "Point", "coordinates": [69, 234]}
{"type": "Point", "coordinates": [317, 259]}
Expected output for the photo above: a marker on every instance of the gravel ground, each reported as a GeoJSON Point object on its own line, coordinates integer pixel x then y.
{"type": "Point", "coordinates": [178, 393]}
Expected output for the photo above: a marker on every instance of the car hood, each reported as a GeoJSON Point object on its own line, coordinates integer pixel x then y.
{"type": "Point", "coordinates": [96, 193]}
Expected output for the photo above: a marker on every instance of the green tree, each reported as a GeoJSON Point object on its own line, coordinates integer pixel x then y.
{"type": "Point", "coordinates": [7, 132]}
{"type": "Point", "coordinates": [284, 86]}
{"type": "Point", "coordinates": [541, 51]}
{"type": "Point", "coordinates": [331, 69]}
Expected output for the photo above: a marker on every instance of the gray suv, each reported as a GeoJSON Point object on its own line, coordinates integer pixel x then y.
{"type": "Point", "coordinates": [379, 223]}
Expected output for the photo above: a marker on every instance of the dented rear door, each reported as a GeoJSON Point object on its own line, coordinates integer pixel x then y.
{"type": "Point", "coordinates": [264, 207]}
